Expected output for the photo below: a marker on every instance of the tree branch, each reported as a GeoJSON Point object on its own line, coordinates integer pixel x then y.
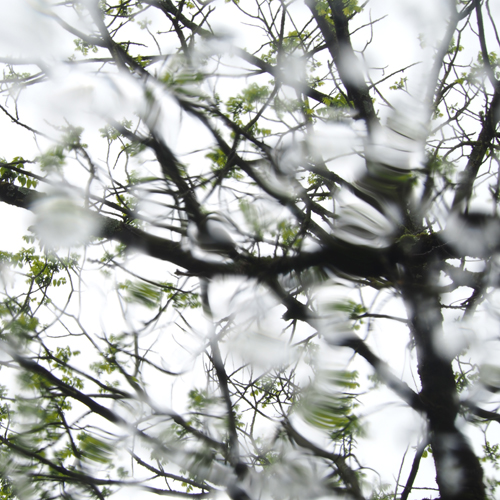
{"type": "Point", "coordinates": [345, 472]}
{"type": "Point", "coordinates": [414, 469]}
{"type": "Point", "coordinates": [382, 369]}
{"type": "Point", "coordinates": [338, 41]}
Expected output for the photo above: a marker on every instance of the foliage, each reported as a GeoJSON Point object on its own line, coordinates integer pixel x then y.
{"type": "Point", "coordinates": [286, 278]}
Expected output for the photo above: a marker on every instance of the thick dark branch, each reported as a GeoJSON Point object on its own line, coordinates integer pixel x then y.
{"type": "Point", "coordinates": [19, 196]}
{"type": "Point", "coordinates": [339, 255]}
{"type": "Point", "coordinates": [170, 10]}
{"type": "Point", "coordinates": [385, 374]}
{"type": "Point", "coordinates": [218, 362]}
{"type": "Point", "coordinates": [338, 40]}
{"type": "Point", "coordinates": [33, 367]}
{"type": "Point", "coordinates": [439, 395]}
{"type": "Point", "coordinates": [466, 11]}
{"type": "Point", "coordinates": [481, 413]}
{"type": "Point", "coordinates": [336, 254]}
{"type": "Point", "coordinates": [171, 168]}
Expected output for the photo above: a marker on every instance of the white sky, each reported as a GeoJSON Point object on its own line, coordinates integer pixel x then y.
{"type": "Point", "coordinates": [79, 96]}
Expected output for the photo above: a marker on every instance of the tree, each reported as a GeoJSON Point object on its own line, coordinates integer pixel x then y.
{"type": "Point", "coordinates": [246, 245]}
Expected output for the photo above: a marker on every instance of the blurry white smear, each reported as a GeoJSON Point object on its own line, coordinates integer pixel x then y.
{"type": "Point", "coordinates": [361, 224]}
{"type": "Point", "coordinates": [475, 234]}
{"type": "Point", "coordinates": [77, 95]}
{"type": "Point", "coordinates": [28, 30]}
{"type": "Point", "coordinates": [60, 222]}
{"type": "Point", "coordinates": [260, 349]}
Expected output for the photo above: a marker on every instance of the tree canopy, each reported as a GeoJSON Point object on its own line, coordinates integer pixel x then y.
{"type": "Point", "coordinates": [260, 251]}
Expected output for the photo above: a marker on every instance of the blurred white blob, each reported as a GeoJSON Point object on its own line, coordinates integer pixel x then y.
{"type": "Point", "coordinates": [293, 474]}
{"type": "Point", "coordinates": [393, 153]}
{"type": "Point", "coordinates": [334, 322]}
{"type": "Point", "coordinates": [409, 119]}
{"type": "Point", "coordinates": [318, 146]}
{"type": "Point", "coordinates": [274, 481]}
{"type": "Point", "coordinates": [260, 349]}
{"type": "Point", "coordinates": [453, 340]}
{"type": "Point", "coordinates": [229, 21]}
{"type": "Point", "coordinates": [474, 235]}
{"type": "Point", "coordinates": [222, 43]}
{"type": "Point", "coordinates": [320, 143]}
{"type": "Point", "coordinates": [74, 95]}
{"type": "Point", "coordinates": [490, 376]}
{"type": "Point", "coordinates": [6, 276]}
{"type": "Point", "coordinates": [255, 313]}
{"type": "Point", "coordinates": [61, 222]}
{"type": "Point", "coordinates": [451, 473]}
{"type": "Point", "coordinates": [28, 30]}
{"type": "Point", "coordinates": [394, 150]}
{"type": "Point", "coordinates": [310, 245]}
{"type": "Point", "coordinates": [276, 182]}
{"type": "Point", "coordinates": [256, 339]}
{"type": "Point", "coordinates": [400, 143]}
{"type": "Point", "coordinates": [199, 461]}
{"type": "Point", "coordinates": [293, 71]}
{"type": "Point", "coordinates": [264, 214]}
{"type": "Point", "coordinates": [211, 235]}
{"type": "Point", "coordinates": [351, 67]}
{"type": "Point", "coordinates": [361, 224]}
{"type": "Point", "coordinates": [291, 156]}
{"type": "Point", "coordinates": [182, 78]}
{"type": "Point", "coordinates": [335, 329]}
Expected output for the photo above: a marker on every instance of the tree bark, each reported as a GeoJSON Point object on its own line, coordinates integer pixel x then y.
{"type": "Point", "coordinates": [459, 474]}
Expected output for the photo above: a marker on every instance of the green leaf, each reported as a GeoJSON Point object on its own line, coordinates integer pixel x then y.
{"type": "Point", "coordinates": [141, 292]}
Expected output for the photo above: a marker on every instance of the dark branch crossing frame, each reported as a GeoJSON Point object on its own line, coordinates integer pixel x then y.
{"type": "Point", "coordinates": [213, 444]}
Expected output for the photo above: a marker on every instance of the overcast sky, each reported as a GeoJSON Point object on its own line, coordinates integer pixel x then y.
{"type": "Point", "coordinates": [30, 32]}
